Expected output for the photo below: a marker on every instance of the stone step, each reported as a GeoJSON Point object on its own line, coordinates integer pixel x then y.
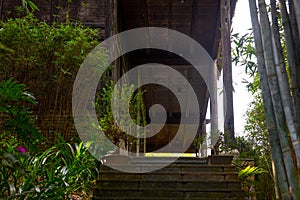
{"type": "Point", "coordinates": [179, 168]}
{"type": "Point", "coordinates": [170, 176]}
{"type": "Point", "coordinates": [164, 160]}
{"type": "Point", "coordinates": [166, 193]}
{"type": "Point", "coordinates": [184, 185]}
{"type": "Point", "coordinates": [166, 198]}
{"type": "Point", "coordinates": [187, 178]}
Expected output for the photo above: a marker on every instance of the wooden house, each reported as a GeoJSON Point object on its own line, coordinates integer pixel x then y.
{"type": "Point", "coordinates": [206, 21]}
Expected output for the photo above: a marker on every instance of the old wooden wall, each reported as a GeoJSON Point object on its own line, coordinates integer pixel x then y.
{"type": "Point", "coordinates": [91, 13]}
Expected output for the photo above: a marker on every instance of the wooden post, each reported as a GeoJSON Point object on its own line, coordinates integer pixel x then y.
{"type": "Point", "coordinates": [109, 18]}
{"type": "Point", "coordinates": [111, 28]}
{"type": "Point", "coordinates": [227, 68]}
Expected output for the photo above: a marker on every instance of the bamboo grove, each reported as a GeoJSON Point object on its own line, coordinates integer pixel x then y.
{"type": "Point", "coordinates": [278, 70]}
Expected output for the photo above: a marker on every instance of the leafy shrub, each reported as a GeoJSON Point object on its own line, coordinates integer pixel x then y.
{"type": "Point", "coordinates": [249, 178]}
{"type": "Point", "coordinates": [46, 58]}
{"type": "Point", "coordinates": [107, 121]}
{"type": "Point", "coordinates": [250, 171]}
{"type": "Point", "coordinates": [57, 173]}
{"type": "Point", "coordinates": [17, 127]}
{"type": "Point", "coordinates": [25, 173]}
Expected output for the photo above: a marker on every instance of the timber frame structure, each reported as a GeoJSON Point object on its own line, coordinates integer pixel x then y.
{"type": "Point", "coordinates": [206, 21]}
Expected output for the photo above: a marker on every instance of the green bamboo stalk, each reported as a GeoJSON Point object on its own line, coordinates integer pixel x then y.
{"type": "Point", "coordinates": [297, 14]}
{"type": "Point", "coordinates": [296, 39]}
{"type": "Point", "coordinates": [282, 185]}
{"type": "Point", "coordinates": [292, 60]}
{"type": "Point", "coordinates": [280, 172]}
{"type": "Point", "coordinates": [287, 151]}
{"type": "Point", "coordinates": [283, 80]}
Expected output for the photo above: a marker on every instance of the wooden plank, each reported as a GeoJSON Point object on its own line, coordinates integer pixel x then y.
{"type": "Point", "coordinates": [182, 9]}
{"type": "Point", "coordinates": [156, 9]}
{"type": "Point", "coordinates": [157, 2]}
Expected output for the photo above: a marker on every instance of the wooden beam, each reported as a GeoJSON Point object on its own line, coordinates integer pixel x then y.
{"type": "Point", "coordinates": [170, 40]}
{"type": "Point", "coordinates": [1, 9]}
{"type": "Point", "coordinates": [170, 13]}
{"type": "Point", "coordinates": [144, 13]}
{"type": "Point", "coordinates": [193, 18]}
{"type": "Point", "coordinates": [111, 28]}
{"type": "Point", "coordinates": [146, 21]}
{"type": "Point", "coordinates": [110, 17]}
{"type": "Point", "coordinates": [216, 45]}
{"type": "Point", "coordinates": [227, 67]}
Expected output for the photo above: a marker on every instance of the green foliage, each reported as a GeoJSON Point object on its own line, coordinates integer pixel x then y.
{"type": "Point", "coordinates": [106, 119]}
{"type": "Point", "coordinates": [58, 172]}
{"type": "Point", "coordinates": [105, 116]}
{"type": "Point", "coordinates": [251, 177]}
{"type": "Point", "coordinates": [257, 135]}
{"type": "Point", "coordinates": [46, 58]}
{"type": "Point", "coordinates": [17, 125]}
{"type": "Point", "coordinates": [225, 144]}
{"type": "Point", "coordinates": [243, 54]}
{"type": "Point", "coordinates": [256, 140]}
{"type": "Point", "coordinates": [197, 142]}
{"type": "Point", "coordinates": [250, 171]}
{"type": "Point", "coordinates": [30, 44]}
{"type": "Point", "coordinates": [29, 6]}
{"type": "Point", "coordinates": [259, 138]}
{"type": "Point", "coordinates": [240, 143]}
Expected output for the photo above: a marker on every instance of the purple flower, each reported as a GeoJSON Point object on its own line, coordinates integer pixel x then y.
{"type": "Point", "coordinates": [21, 149]}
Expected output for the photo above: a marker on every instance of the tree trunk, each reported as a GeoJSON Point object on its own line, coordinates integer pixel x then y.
{"type": "Point", "coordinates": [280, 174]}
{"type": "Point", "coordinates": [287, 151]}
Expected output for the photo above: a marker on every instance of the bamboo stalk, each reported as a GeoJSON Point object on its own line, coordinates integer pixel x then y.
{"type": "Point", "coordinates": [292, 60]}
{"type": "Point", "coordinates": [287, 151]}
{"type": "Point", "coordinates": [283, 80]}
{"type": "Point", "coordinates": [282, 185]}
{"type": "Point", "coordinates": [296, 39]}
{"type": "Point", "coordinates": [297, 14]}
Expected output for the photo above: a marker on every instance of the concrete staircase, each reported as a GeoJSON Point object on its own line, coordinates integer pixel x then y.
{"type": "Point", "coordinates": [187, 178]}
